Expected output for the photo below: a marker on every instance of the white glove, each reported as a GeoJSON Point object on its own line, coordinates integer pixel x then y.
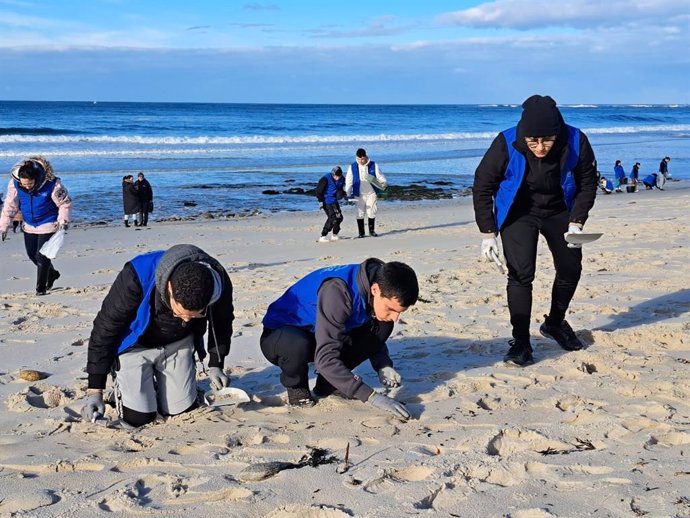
{"type": "Point", "coordinates": [94, 407]}
{"type": "Point", "coordinates": [488, 245]}
{"type": "Point", "coordinates": [389, 377]}
{"type": "Point", "coordinates": [390, 405]}
{"type": "Point", "coordinates": [320, 205]}
{"type": "Point", "coordinates": [63, 226]}
{"type": "Point", "coordinates": [218, 378]}
{"type": "Point", "coordinates": [573, 229]}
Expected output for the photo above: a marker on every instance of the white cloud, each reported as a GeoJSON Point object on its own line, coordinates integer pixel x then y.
{"type": "Point", "coordinates": [531, 14]}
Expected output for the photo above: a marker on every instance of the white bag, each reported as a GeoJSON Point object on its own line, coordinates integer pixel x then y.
{"type": "Point", "coordinates": [51, 247]}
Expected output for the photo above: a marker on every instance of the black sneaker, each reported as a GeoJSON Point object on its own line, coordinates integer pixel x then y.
{"type": "Point", "coordinates": [563, 334]}
{"type": "Point", "coordinates": [520, 353]}
{"type": "Point", "coordinates": [53, 276]}
{"type": "Point", "coordinates": [300, 397]}
{"type": "Point", "coordinates": [324, 389]}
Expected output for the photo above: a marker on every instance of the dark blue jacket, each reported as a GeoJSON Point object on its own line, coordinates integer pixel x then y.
{"type": "Point", "coordinates": [37, 206]}
{"type": "Point", "coordinates": [515, 172]}
{"type": "Point", "coordinates": [619, 172]}
{"type": "Point", "coordinates": [297, 306]}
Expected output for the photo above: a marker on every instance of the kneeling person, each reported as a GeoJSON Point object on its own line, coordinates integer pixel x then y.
{"type": "Point", "coordinates": [150, 325]}
{"type": "Point", "coordinates": [338, 317]}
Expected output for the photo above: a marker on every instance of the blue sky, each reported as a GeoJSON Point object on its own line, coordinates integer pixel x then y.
{"type": "Point", "coordinates": [460, 52]}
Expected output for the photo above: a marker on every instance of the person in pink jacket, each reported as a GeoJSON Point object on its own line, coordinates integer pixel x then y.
{"type": "Point", "coordinates": [46, 206]}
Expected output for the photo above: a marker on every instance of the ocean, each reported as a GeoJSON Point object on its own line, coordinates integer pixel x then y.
{"type": "Point", "coordinates": [220, 158]}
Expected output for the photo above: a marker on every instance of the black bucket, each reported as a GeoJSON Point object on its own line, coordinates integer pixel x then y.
{"type": "Point", "coordinates": [630, 188]}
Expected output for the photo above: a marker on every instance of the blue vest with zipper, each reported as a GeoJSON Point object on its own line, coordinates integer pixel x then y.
{"type": "Point", "coordinates": [355, 177]}
{"type": "Point", "coordinates": [38, 206]}
{"type": "Point", "coordinates": [515, 173]}
{"type": "Point", "coordinates": [330, 196]}
{"type": "Point", "coordinates": [145, 268]}
{"type": "Point", "coordinates": [297, 306]}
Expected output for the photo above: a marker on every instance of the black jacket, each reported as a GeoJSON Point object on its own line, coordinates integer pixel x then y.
{"type": "Point", "coordinates": [119, 311]}
{"type": "Point", "coordinates": [144, 190]}
{"type": "Point", "coordinates": [130, 198]}
{"type": "Point", "coordinates": [540, 193]}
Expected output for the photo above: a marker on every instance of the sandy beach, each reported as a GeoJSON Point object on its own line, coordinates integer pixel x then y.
{"type": "Point", "coordinates": [600, 432]}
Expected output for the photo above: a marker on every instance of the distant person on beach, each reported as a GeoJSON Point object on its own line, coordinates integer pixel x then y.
{"type": "Point", "coordinates": [650, 181]}
{"type": "Point", "coordinates": [329, 189]}
{"type": "Point", "coordinates": [664, 173]}
{"type": "Point", "coordinates": [46, 207]}
{"type": "Point", "coordinates": [605, 185]}
{"type": "Point", "coordinates": [145, 193]}
{"type": "Point", "coordinates": [364, 180]}
{"type": "Point", "coordinates": [151, 323]}
{"type": "Point", "coordinates": [338, 317]}
{"type": "Point", "coordinates": [538, 177]}
{"type": "Point", "coordinates": [635, 173]}
{"type": "Point", "coordinates": [130, 201]}
{"type": "Point", "coordinates": [619, 176]}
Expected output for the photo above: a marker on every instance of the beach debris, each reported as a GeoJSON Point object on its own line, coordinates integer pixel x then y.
{"type": "Point", "coordinates": [580, 445]}
{"type": "Point", "coordinates": [31, 375]}
{"type": "Point", "coordinates": [346, 461]}
{"type": "Point", "coordinates": [263, 470]}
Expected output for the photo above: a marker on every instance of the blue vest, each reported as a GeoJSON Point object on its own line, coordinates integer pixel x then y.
{"type": "Point", "coordinates": [331, 194]}
{"type": "Point", "coordinates": [355, 177]}
{"type": "Point", "coordinates": [37, 206]}
{"type": "Point", "coordinates": [145, 267]}
{"type": "Point", "coordinates": [515, 173]}
{"type": "Point", "coordinates": [297, 306]}
{"type": "Point", "coordinates": [650, 179]}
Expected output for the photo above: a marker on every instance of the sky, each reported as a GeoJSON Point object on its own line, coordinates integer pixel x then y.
{"type": "Point", "coordinates": [353, 52]}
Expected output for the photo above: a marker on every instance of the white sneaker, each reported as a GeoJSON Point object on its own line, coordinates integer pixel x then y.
{"type": "Point", "coordinates": [335, 237]}
{"type": "Point", "coordinates": [324, 239]}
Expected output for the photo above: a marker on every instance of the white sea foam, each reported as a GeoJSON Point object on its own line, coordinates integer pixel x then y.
{"type": "Point", "coordinates": [303, 139]}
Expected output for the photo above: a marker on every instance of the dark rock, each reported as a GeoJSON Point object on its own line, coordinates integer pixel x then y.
{"type": "Point", "coordinates": [190, 204]}
{"type": "Point", "coordinates": [270, 191]}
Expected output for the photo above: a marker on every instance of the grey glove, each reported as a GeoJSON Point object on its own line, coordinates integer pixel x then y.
{"type": "Point", "coordinates": [390, 405]}
{"type": "Point", "coordinates": [4, 235]}
{"type": "Point", "coordinates": [94, 407]}
{"type": "Point", "coordinates": [320, 205]}
{"type": "Point", "coordinates": [218, 378]}
{"type": "Point", "coordinates": [389, 377]}
{"type": "Point", "coordinates": [63, 226]}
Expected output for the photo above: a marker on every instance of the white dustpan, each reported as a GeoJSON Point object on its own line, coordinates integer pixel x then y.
{"type": "Point", "coordinates": [226, 396]}
{"type": "Point", "coordinates": [583, 238]}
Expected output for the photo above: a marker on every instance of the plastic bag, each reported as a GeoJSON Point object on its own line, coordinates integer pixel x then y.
{"type": "Point", "coordinates": [51, 247]}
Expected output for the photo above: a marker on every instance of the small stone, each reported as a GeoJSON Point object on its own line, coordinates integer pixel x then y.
{"type": "Point", "coordinates": [31, 375]}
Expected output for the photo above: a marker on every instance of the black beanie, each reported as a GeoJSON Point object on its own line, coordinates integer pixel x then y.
{"type": "Point", "coordinates": [540, 117]}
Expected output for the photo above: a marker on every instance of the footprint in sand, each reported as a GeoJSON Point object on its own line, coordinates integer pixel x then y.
{"type": "Point", "coordinates": [303, 511]}
{"type": "Point", "coordinates": [26, 502]}
{"type": "Point", "coordinates": [39, 396]}
{"type": "Point", "coordinates": [670, 439]}
{"type": "Point", "coordinates": [411, 473]}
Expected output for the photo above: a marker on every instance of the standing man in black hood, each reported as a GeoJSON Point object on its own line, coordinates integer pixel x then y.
{"type": "Point", "coordinates": [536, 178]}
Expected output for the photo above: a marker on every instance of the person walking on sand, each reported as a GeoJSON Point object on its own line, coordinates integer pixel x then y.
{"type": "Point", "coordinates": [364, 180]}
{"type": "Point", "coordinates": [151, 323]}
{"type": "Point", "coordinates": [538, 177]}
{"type": "Point", "coordinates": [328, 191]}
{"type": "Point", "coordinates": [46, 207]}
{"type": "Point", "coordinates": [130, 201]}
{"type": "Point", "coordinates": [664, 173]}
{"type": "Point", "coordinates": [619, 176]}
{"type": "Point", "coordinates": [145, 192]}
{"type": "Point", "coordinates": [338, 317]}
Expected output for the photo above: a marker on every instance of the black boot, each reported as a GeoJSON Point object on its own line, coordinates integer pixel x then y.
{"type": "Point", "coordinates": [53, 275]}
{"type": "Point", "coordinates": [126, 223]}
{"type": "Point", "coordinates": [360, 227]}
{"type": "Point", "coordinates": [372, 233]}
{"type": "Point", "coordinates": [42, 273]}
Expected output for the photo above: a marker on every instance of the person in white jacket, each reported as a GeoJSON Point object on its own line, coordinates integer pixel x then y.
{"type": "Point", "coordinates": [43, 200]}
{"type": "Point", "coordinates": [364, 181]}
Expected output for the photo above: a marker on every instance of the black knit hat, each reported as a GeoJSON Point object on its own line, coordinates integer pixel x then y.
{"type": "Point", "coordinates": [540, 117]}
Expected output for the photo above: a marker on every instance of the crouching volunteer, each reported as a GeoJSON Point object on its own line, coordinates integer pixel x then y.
{"type": "Point", "coordinates": [150, 325]}
{"type": "Point", "coordinates": [338, 317]}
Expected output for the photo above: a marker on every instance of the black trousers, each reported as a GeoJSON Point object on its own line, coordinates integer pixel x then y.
{"type": "Point", "coordinates": [520, 237]}
{"type": "Point", "coordinates": [292, 349]}
{"type": "Point", "coordinates": [335, 218]}
{"type": "Point", "coordinates": [32, 244]}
